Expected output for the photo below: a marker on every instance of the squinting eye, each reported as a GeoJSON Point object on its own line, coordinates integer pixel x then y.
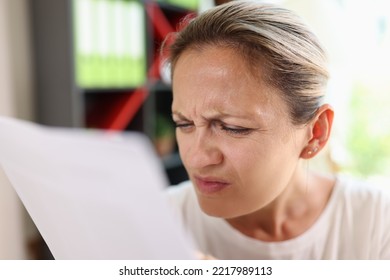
{"type": "Point", "coordinates": [236, 130]}
{"type": "Point", "coordinates": [185, 127]}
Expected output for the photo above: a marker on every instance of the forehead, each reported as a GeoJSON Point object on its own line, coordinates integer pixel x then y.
{"type": "Point", "coordinates": [214, 60]}
{"type": "Point", "coordinates": [218, 76]}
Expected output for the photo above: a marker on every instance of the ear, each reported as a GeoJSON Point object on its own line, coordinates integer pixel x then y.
{"type": "Point", "coordinates": [320, 128]}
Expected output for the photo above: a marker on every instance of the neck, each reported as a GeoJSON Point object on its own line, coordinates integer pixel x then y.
{"type": "Point", "coordinates": [291, 213]}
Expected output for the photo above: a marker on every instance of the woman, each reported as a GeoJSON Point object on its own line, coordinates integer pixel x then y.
{"type": "Point", "coordinates": [248, 81]}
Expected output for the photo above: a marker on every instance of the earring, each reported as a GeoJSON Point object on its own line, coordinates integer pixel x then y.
{"type": "Point", "coordinates": [314, 150]}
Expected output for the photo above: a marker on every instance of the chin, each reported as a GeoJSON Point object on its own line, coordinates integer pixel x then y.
{"type": "Point", "coordinates": [218, 210]}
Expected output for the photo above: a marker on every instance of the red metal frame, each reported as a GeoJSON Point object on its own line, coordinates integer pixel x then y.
{"type": "Point", "coordinates": [125, 112]}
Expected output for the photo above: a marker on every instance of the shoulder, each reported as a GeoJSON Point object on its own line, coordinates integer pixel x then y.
{"type": "Point", "coordinates": [365, 204]}
{"type": "Point", "coordinates": [368, 206]}
{"type": "Point", "coordinates": [363, 193]}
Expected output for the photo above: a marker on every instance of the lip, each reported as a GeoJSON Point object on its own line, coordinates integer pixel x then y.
{"type": "Point", "coordinates": [210, 185]}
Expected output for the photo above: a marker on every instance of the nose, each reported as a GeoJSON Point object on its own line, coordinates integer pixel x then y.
{"type": "Point", "coordinates": [203, 152]}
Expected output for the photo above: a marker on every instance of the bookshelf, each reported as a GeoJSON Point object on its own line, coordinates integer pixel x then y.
{"type": "Point", "coordinates": [97, 66]}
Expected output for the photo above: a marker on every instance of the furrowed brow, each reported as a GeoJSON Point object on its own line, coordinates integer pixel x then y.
{"type": "Point", "coordinates": [179, 115]}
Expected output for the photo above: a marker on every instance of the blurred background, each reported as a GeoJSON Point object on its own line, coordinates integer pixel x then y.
{"type": "Point", "coordinates": [97, 64]}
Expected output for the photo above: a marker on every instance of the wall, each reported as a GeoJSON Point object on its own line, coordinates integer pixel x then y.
{"type": "Point", "coordinates": [16, 100]}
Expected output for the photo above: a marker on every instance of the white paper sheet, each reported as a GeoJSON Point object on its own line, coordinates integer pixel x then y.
{"type": "Point", "coordinates": [91, 194]}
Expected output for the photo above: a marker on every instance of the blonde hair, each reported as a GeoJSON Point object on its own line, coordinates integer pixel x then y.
{"type": "Point", "coordinates": [269, 37]}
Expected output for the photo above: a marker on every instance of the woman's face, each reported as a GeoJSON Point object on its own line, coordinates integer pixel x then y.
{"type": "Point", "coordinates": [234, 134]}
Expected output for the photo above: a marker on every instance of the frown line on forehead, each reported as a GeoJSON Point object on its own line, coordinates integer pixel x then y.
{"type": "Point", "coordinates": [214, 115]}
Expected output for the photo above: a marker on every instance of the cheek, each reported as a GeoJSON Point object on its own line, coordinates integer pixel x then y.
{"type": "Point", "coordinates": [252, 168]}
{"type": "Point", "coordinates": [248, 154]}
{"type": "Point", "coordinates": [260, 166]}
{"type": "Point", "coordinates": [180, 141]}
{"type": "Point", "coordinates": [184, 143]}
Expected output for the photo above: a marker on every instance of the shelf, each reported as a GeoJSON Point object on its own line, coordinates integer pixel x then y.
{"type": "Point", "coordinates": [62, 100]}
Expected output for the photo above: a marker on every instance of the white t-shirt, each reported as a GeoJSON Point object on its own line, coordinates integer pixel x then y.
{"type": "Point", "coordinates": [355, 224]}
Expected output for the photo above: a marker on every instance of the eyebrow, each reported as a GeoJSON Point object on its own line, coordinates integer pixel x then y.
{"type": "Point", "coordinates": [180, 115]}
{"type": "Point", "coordinates": [217, 116]}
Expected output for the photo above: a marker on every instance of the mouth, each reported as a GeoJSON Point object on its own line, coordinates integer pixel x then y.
{"type": "Point", "coordinates": [210, 185]}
